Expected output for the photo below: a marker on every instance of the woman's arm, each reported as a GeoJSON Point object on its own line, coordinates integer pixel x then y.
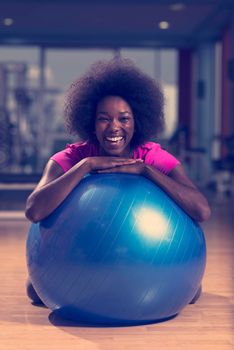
{"type": "Point", "coordinates": [55, 185]}
{"type": "Point", "coordinates": [177, 185]}
{"type": "Point", "coordinates": [180, 188]}
{"type": "Point", "coordinates": [52, 189]}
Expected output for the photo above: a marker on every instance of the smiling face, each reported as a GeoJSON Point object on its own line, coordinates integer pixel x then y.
{"type": "Point", "coordinates": [114, 126]}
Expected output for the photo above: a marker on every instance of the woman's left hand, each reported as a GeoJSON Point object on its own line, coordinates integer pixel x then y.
{"type": "Point", "coordinates": [136, 168]}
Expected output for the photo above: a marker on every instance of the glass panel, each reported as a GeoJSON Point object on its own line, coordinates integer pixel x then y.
{"type": "Point", "coordinates": [18, 93]}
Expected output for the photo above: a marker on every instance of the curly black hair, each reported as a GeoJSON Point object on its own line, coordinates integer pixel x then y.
{"type": "Point", "coordinates": [115, 77]}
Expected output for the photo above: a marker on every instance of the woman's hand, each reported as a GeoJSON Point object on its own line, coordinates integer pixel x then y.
{"type": "Point", "coordinates": [111, 164]}
{"type": "Point", "coordinates": [137, 168]}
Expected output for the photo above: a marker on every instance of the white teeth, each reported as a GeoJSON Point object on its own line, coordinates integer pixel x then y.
{"type": "Point", "coordinates": [114, 139]}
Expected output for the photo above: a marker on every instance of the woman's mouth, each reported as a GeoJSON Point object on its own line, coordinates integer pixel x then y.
{"type": "Point", "coordinates": [114, 142]}
{"type": "Point", "coordinates": [114, 139]}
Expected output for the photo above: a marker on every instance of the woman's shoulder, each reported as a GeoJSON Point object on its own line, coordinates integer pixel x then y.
{"type": "Point", "coordinates": [151, 146]}
{"type": "Point", "coordinates": [73, 153]}
{"type": "Point", "coordinates": [153, 154]}
{"type": "Point", "coordinates": [142, 150]}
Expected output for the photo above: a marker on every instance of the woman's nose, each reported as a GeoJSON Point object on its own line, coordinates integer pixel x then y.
{"type": "Point", "coordinates": [114, 125]}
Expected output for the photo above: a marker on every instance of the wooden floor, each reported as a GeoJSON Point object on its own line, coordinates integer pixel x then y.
{"type": "Point", "coordinates": [205, 325]}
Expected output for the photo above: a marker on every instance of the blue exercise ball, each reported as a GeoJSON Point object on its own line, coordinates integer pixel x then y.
{"type": "Point", "coordinates": [118, 250]}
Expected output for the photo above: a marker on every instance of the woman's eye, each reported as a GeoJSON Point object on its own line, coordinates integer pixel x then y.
{"type": "Point", "coordinates": [124, 119]}
{"type": "Point", "coordinates": [103, 119]}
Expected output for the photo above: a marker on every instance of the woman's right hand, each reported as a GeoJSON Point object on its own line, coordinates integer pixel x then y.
{"type": "Point", "coordinates": [102, 163]}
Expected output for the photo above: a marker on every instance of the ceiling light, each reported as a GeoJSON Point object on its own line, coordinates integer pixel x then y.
{"type": "Point", "coordinates": [164, 25]}
{"type": "Point", "coordinates": [179, 6]}
{"type": "Point", "coordinates": [8, 21]}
